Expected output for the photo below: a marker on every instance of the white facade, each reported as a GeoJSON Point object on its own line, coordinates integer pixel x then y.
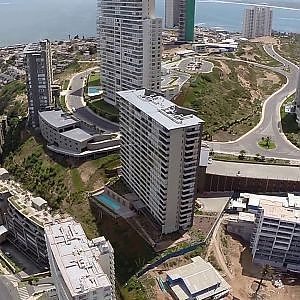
{"type": "Point", "coordinates": [38, 64]}
{"type": "Point", "coordinates": [81, 269]}
{"type": "Point", "coordinates": [298, 101]}
{"type": "Point", "coordinates": [257, 22]}
{"type": "Point", "coordinates": [276, 238]}
{"type": "Point", "coordinates": [172, 10]}
{"type": "Point", "coordinates": [66, 135]}
{"type": "Point", "coordinates": [160, 146]}
{"type": "Point", "coordinates": [129, 46]}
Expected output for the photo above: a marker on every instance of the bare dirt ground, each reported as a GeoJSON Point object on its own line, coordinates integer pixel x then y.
{"type": "Point", "coordinates": [235, 262]}
{"type": "Point", "coordinates": [266, 40]}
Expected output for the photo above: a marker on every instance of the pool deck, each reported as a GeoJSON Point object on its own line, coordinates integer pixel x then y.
{"type": "Point", "coordinates": [122, 211]}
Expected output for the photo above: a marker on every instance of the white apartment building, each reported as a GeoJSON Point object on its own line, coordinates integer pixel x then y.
{"type": "Point", "coordinates": [276, 238]}
{"type": "Point", "coordinates": [81, 269]}
{"type": "Point", "coordinates": [298, 101]}
{"type": "Point", "coordinates": [38, 64]}
{"type": "Point", "coordinates": [257, 22]}
{"type": "Point", "coordinates": [66, 135]}
{"type": "Point", "coordinates": [172, 11]}
{"type": "Point", "coordinates": [160, 149]}
{"type": "Point", "coordinates": [24, 217]}
{"type": "Point", "coordinates": [130, 41]}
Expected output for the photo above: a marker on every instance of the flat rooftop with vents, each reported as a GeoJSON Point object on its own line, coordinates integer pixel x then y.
{"type": "Point", "coordinates": [76, 259]}
{"type": "Point", "coordinates": [160, 109]}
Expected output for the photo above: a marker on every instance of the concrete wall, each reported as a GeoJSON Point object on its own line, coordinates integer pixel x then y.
{"type": "Point", "coordinates": [217, 183]}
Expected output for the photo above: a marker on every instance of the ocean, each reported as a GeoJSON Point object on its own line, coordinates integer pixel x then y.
{"type": "Point", "coordinates": [31, 20]}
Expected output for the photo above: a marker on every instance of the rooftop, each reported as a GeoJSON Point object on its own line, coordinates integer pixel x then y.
{"type": "Point", "coordinates": [161, 110]}
{"type": "Point", "coordinates": [77, 134]}
{"type": "Point", "coordinates": [33, 48]}
{"type": "Point", "coordinates": [76, 257]}
{"type": "Point", "coordinates": [254, 170]}
{"type": "Point", "coordinates": [23, 200]}
{"type": "Point", "coordinates": [279, 207]}
{"type": "Point", "coordinates": [279, 211]}
{"type": "Point", "coordinates": [57, 118]}
{"type": "Point", "coordinates": [198, 279]}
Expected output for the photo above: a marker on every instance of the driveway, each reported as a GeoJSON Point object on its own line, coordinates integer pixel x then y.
{"type": "Point", "coordinates": [76, 104]}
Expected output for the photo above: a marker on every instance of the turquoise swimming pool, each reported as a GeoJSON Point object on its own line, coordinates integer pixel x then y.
{"type": "Point", "coordinates": [107, 201]}
{"type": "Point", "coordinates": [94, 90]}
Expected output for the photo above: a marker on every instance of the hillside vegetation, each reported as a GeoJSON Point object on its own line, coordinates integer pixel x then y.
{"type": "Point", "coordinates": [229, 99]}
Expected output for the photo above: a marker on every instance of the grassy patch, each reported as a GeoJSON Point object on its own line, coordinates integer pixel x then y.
{"type": "Point", "coordinates": [8, 94]}
{"type": "Point", "coordinates": [104, 110]}
{"type": "Point", "coordinates": [289, 48]}
{"type": "Point", "coordinates": [289, 124]}
{"type": "Point", "coordinates": [62, 103]}
{"type": "Point", "coordinates": [76, 180]}
{"type": "Point", "coordinates": [249, 159]}
{"type": "Point", "coordinates": [229, 99]}
{"type": "Point", "coordinates": [66, 84]}
{"type": "Point", "coordinates": [255, 52]}
{"type": "Point", "coordinates": [94, 79]}
{"type": "Point", "coordinates": [267, 144]}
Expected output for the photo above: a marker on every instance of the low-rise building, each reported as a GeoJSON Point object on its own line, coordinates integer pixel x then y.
{"type": "Point", "coordinates": [197, 280]}
{"type": "Point", "coordinates": [80, 268]}
{"type": "Point", "coordinates": [276, 237]}
{"type": "Point", "coordinates": [66, 135]}
{"type": "Point", "coordinates": [24, 216]}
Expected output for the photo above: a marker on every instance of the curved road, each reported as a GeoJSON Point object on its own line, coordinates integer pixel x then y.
{"type": "Point", "coordinates": [270, 124]}
{"type": "Point", "coordinates": [75, 103]}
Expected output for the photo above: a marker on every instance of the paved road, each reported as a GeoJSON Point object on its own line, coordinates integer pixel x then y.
{"type": "Point", "coordinates": [180, 70]}
{"type": "Point", "coordinates": [76, 104]}
{"type": "Point", "coordinates": [270, 124]}
{"type": "Point", "coordinates": [7, 290]}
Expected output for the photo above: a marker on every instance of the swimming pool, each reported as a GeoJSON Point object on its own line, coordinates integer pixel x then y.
{"type": "Point", "coordinates": [107, 201]}
{"type": "Point", "coordinates": [94, 91]}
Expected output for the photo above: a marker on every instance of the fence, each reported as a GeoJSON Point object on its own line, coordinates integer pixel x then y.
{"type": "Point", "coordinates": [182, 251]}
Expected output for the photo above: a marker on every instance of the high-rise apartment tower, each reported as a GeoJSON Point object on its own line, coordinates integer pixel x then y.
{"type": "Point", "coordinates": [257, 22]}
{"type": "Point", "coordinates": [186, 20]}
{"type": "Point", "coordinates": [38, 64]}
{"type": "Point", "coordinates": [129, 46]}
{"type": "Point", "coordinates": [160, 150]}
{"type": "Point", "coordinates": [172, 11]}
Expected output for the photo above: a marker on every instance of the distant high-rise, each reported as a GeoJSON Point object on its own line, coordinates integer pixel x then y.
{"type": "Point", "coordinates": [38, 64]}
{"type": "Point", "coordinates": [257, 22]}
{"type": "Point", "coordinates": [298, 101]}
{"type": "Point", "coordinates": [172, 11]}
{"type": "Point", "coordinates": [129, 46]}
{"type": "Point", "coordinates": [186, 20]}
{"type": "Point", "coordinates": [80, 268]}
{"type": "Point", "coordinates": [160, 151]}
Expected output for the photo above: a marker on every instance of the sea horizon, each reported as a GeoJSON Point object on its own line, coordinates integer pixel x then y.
{"type": "Point", "coordinates": [28, 21]}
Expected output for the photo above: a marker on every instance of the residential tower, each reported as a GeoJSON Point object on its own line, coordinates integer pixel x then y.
{"type": "Point", "coordinates": [257, 22]}
{"type": "Point", "coordinates": [130, 39]}
{"type": "Point", "coordinates": [160, 150]}
{"type": "Point", "coordinates": [38, 64]}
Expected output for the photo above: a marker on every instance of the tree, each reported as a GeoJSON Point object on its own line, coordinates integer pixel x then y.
{"type": "Point", "coordinates": [268, 141]}
{"type": "Point", "coordinates": [242, 154]}
{"type": "Point", "coordinates": [267, 271]}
